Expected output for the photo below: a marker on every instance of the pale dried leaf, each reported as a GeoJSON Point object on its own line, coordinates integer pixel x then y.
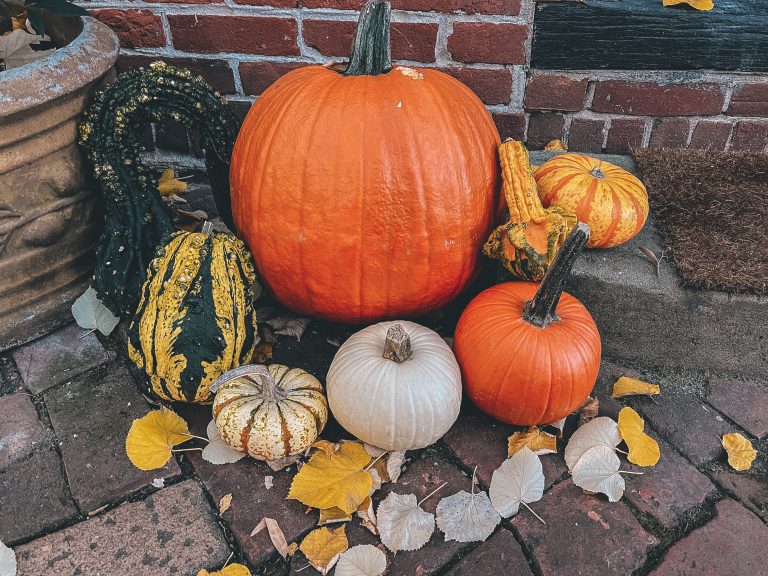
{"type": "Point", "coordinates": [217, 451]}
{"type": "Point", "coordinates": [466, 517]}
{"type": "Point", "coordinates": [16, 48]}
{"type": "Point", "coordinates": [374, 451]}
{"type": "Point", "coordinates": [519, 479]}
{"type": "Point", "coordinates": [368, 517]}
{"type": "Point", "coordinates": [225, 503]}
{"type": "Point", "coordinates": [289, 326]}
{"type": "Point", "coordinates": [91, 314]}
{"type": "Point", "coordinates": [626, 386]}
{"type": "Point", "coordinates": [275, 535]}
{"type": "Point", "coordinates": [362, 560]}
{"type": "Point", "coordinates": [589, 410]}
{"type": "Point", "coordinates": [598, 471]}
{"type": "Point", "coordinates": [402, 524]}
{"type": "Point", "coordinates": [7, 561]}
{"type": "Point", "coordinates": [158, 483]}
{"type": "Point", "coordinates": [601, 431]}
{"type": "Point", "coordinates": [537, 440]}
{"type": "Point", "coordinates": [394, 465]}
{"type": "Point", "coordinates": [741, 454]}
{"type": "Point", "coordinates": [281, 463]}
{"type": "Point", "coordinates": [268, 481]}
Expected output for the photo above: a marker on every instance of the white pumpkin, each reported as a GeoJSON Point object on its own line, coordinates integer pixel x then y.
{"type": "Point", "coordinates": [269, 412]}
{"type": "Point", "coordinates": [395, 385]}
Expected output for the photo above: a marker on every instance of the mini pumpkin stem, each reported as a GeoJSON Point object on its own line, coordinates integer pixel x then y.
{"type": "Point", "coordinates": [371, 53]}
{"type": "Point", "coordinates": [397, 344]}
{"type": "Point", "coordinates": [540, 311]}
{"type": "Point", "coordinates": [597, 172]}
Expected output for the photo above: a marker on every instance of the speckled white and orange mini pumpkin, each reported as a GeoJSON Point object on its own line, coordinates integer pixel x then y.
{"type": "Point", "coordinates": [270, 412]}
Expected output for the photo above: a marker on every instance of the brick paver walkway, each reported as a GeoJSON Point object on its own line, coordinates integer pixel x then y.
{"type": "Point", "coordinates": [71, 503]}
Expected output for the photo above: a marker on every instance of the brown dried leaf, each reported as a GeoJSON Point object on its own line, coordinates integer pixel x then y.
{"type": "Point", "coordinates": [537, 440]}
{"type": "Point", "coordinates": [588, 410]}
{"type": "Point", "coordinates": [275, 535]}
{"type": "Point", "coordinates": [225, 503]}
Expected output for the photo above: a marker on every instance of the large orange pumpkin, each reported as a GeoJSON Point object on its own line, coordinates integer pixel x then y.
{"type": "Point", "coordinates": [611, 200]}
{"type": "Point", "coordinates": [530, 353]}
{"type": "Point", "coordinates": [367, 194]}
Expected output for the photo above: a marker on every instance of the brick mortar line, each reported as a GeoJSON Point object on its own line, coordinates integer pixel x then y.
{"type": "Point", "coordinates": [232, 9]}
{"type": "Point", "coordinates": [684, 77]}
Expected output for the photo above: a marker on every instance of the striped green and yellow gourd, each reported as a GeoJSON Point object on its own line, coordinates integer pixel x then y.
{"type": "Point", "coordinates": [196, 318]}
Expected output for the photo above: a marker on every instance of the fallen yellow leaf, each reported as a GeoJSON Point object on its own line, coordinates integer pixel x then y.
{"type": "Point", "coordinates": [626, 386]}
{"type": "Point", "coordinates": [555, 145]}
{"type": "Point", "coordinates": [231, 570]}
{"type": "Point", "coordinates": [643, 450]}
{"type": "Point", "coordinates": [334, 480]}
{"type": "Point", "coordinates": [151, 438]}
{"type": "Point", "coordinates": [537, 440]}
{"type": "Point", "coordinates": [703, 5]}
{"type": "Point", "coordinates": [322, 547]}
{"type": "Point", "coordinates": [325, 446]}
{"type": "Point", "coordinates": [333, 515]}
{"type": "Point", "coordinates": [225, 503]}
{"type": "Point", "coordinates": [169, 185]}
{"type": "Point", "coordinates": [740, 451]}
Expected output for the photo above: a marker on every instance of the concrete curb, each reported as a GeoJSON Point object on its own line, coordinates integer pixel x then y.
{"type": "Point", "coordinates": [658, 322]}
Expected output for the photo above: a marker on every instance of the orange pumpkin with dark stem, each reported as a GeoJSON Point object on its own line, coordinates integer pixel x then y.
{"type": "Point", "coordinates": [367, 194]}
{"type": "Point", "coordinates": [530, 353]}
{"type": "Point", "coordinates": [611, 200]}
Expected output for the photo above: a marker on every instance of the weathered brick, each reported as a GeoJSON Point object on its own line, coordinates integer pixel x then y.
{"type": "Point", "coordinates": [258, 76]}
{"type": "Point", "coordinates": [749, 100]}
{"type": "Point", "coordinates": [585, 534]}
{"type": "Point", "coordinates": [33, 496]}
{"type": "Point", "coordinates": [251, 499]}
{"type": "Point", "coordinates": [545, 92]}
{"type": "Point", "coordinates": [243, 34]}
{"type": "Point", "coordinates": [669, 489]}
{"type": "Point", "coordinates": [510, 124]}
{"type": "Point", "coordinates": [685, 422]}
{"type": "Point", "coordinates": [543, 127]}
{"type": "Point", "coordinates": [749, 488]}
{"type": "Point", "coordinates": [275, 3]}
{"type": "Point", "coordinates": [749, 135]}
{"type": "Point", "coordinates": [500, 554]}
{"type": "Point", "coordinates": [711, 134]}
{"type": "Point", "coordinates": [410, 41]}
{"type": "Point", "coordinates": [171, 532]}
{"type": "Point", "coordinates": [649, 99]}
{"type": "Point", "coordinates": [492, 85]}
{"type": "Point", "coordinates": [487, 42]}
{"type": "Point", "coordinates": [91, 418]}
{"type": "Point", "coordinates": [742, 402]}
{"type": "Point", "coordinates": [586, 135]}
{"type": "Point", "coordinates": [507, 7]}
{"type": "Point", "coordinates": [58, 357]}
{"type": "Point", "coordinates": [624, 134]}
{"type": "Point", "coordinates": [479, 440]}
{"type": "Point", "coordinates": [20, 428]}
{"type": "Point", "coordinates": [216, 72]}
{"type": "Point", "coordinates": [734, 542]}
{"type": "Point", "coordinates": [669, 133]}
{"type": "Point", "coordinates": [135, 28]}
{"type": "Point", "coordinates": [188, 1]}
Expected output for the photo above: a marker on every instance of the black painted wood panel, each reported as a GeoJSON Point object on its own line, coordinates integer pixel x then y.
{"type": "Point", "coordinates": [644, 35]}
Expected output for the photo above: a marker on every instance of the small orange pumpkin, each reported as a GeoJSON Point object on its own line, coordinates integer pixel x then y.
{"type": "Point", "coordinates": [530, 353]}
{"type": "Point", "coordinates": [611, 200]}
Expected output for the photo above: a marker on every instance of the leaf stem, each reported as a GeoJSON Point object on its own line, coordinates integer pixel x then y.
{"type": "Point", "coordinates": [443, 485]}
{"type": "Point", "coordinates": [534, 513]}
{"type": "Point", "coordinates": [186, 450]}
{"type": "Point", "coordinates": [379, 457]}
{"type": "Point", "coordinates": [474, 479]}
{"type": "Point", "coordinates": [629, 472]}
{"type": "Point", "coordinates": [621, 451]}
{"type": "Point", "coordinates": [193, 436]}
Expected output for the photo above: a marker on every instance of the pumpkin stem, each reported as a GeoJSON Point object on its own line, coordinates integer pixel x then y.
{"type": "Point", "coordinates": [541, 310]}
{"type": "Point", "coordinates": [397, 344]}
{"type": "Point", "coordinates": [597, 172]}
{"type": "Point", "coordinates": [371, 53]}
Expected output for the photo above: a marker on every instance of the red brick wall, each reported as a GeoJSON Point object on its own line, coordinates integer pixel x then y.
{"type": "Point", "coordinates": [242, 46]}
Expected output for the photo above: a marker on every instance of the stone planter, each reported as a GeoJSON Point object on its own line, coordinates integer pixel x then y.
{"type": "Point", "coordinates": [49, 210]}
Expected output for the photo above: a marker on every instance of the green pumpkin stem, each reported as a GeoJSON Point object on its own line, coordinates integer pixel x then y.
{"type": "Point", "coordinates": [541, 310]}
{"type": "Point", "coordinates": [371, 53]}
{"type": "Point", "coordinates": [397, 344]}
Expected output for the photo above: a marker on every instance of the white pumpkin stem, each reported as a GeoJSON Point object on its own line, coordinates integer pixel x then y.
{"type": "Point", "coordinates": [397, 344]}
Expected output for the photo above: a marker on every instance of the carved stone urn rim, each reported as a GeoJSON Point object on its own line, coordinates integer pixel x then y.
{"type": "Point", "coordinates": [85, 59]}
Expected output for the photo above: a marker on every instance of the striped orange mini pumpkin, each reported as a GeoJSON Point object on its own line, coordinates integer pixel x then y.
{"type": "Point", "coordinates": [611, 200]}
